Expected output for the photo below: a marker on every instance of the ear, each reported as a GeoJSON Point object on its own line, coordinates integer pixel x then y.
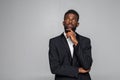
{"type": "Point", "coordinates": [63, 22]}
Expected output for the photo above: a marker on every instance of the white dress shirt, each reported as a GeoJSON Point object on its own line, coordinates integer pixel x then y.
{"type": "Point", "coordinates": [70, 43]}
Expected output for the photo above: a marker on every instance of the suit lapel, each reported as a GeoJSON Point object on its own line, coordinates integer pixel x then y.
{"type": "Point", "coordinates": [66, 46]}
{"type": "Point", "coordinates": [67, 49]}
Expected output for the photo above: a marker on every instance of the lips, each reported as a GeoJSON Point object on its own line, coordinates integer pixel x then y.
{"type": "Point", "coordinates": [70, 26]}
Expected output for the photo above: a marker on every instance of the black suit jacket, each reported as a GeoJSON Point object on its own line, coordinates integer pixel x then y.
{"type": "Point", "coordinates": [63, 65]}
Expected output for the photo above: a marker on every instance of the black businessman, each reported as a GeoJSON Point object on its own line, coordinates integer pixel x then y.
{"type": "Point", "coordinates": [70, 53]}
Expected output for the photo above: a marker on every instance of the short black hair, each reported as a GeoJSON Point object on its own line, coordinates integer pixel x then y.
{"type": "Point", "coordinates": [73, 12]}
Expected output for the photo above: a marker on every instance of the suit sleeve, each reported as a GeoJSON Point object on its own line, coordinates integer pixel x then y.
{"type": "Point", "coordinates": [56, 67]}
{"type": "Point", "coordinates": [84, 54]}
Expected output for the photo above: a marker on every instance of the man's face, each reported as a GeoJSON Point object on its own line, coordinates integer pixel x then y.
{"type": "Point", "coordinates": [70, 22]}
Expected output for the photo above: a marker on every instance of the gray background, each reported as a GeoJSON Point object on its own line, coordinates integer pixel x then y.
{"type": "Point", "coordinates": [27, 25]}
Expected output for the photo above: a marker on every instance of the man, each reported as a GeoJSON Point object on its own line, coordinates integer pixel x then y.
{"type": "Point", "coordinates": [70, 53]}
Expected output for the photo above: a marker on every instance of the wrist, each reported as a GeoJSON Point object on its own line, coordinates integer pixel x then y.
{"type": "Point", "coordinates": [75, 43]}
{"type": "Point", "coordinates": [78, 70]}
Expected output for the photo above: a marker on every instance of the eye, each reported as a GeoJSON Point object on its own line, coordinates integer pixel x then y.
{"type": "Point", "coordinates": [67, 20]}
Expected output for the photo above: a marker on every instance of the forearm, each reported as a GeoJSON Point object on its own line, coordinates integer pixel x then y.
{"type": "Point", "coordinates": [65, 70]}
{"type": "Point", "coordinates": [84, 56]}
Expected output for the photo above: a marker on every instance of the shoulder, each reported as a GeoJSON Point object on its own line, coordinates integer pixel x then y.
{"type": "Point", "coordinates": [83, 38]}
{"type": "Point", "coordinates": [84, 42]}
{"type": "Point", "coordinates": [55, 39]}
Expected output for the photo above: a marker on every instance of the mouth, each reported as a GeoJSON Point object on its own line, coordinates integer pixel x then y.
{"type": "Point", "coordinates": [70, 26]}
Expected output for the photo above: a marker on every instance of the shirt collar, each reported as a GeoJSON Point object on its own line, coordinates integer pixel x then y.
{"type": "Point", "coordinates": [66, 36]}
